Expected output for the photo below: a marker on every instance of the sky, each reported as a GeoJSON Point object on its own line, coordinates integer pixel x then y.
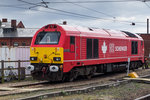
{"type": "Point", "coordinates": [107, 14]}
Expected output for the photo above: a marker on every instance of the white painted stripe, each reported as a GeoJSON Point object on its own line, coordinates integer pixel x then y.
{"type": "Point", "coordinates": [102, 58]}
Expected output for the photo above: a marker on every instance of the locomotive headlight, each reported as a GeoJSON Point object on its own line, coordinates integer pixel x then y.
{"type": "Point", "coordinates": [53, 68]}
{"type": "Point", "coordinates": [57, 59]}
{"type": "Point", "coordinates": [33, 58]}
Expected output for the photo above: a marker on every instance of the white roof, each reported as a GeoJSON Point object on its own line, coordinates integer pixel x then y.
{"type": "Point", "coordinates": [20, 32]}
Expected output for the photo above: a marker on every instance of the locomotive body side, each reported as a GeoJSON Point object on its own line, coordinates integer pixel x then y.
{"type": "Point", "coordinates": [73, 51]}
{"type": "Point", "coordinates": [108, 49]}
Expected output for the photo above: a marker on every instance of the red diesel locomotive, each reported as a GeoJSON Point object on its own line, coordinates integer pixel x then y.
{"type": "Point", "coordinates": [62, 52]}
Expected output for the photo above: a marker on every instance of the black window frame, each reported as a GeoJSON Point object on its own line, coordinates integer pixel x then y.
{"type": "Point", "coordinates": [95, 48]}
{"type": "Point", "coordinates": [89, 48]}
{"type": "Point", "coordinates": [24, 44]}
{"type": "Point", "coordinates": [3, 44]}
{"type": "Point", "coordinates": [8, 30]}
{"type": "Point", "coordinates": [134, 47]}
{"type": "Point", "coordinates": [92, 48]}
{"type": "Point", "coordinates": [72, 40]}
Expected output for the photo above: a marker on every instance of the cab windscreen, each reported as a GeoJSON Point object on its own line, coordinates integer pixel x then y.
{"type": "Point", "coordinates": [47, 38]}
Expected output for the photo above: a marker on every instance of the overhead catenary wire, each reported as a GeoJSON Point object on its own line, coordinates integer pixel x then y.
{"type": "Point", "coordinates": [98, 1]}
{"type": "Point", "coordinates": [12, 6]}
{"type": "Point", "coordinates": [90, 9]}
{"type": "Point", "coordinates": [56, 9]}
{"type": "Point", "coordinates": [147, 4]}
{"type": "Point", "coordinates": [18, 7]}
{"type": "Point", "coordinates": [66, 14]}
{"type": "Point", "coordinates": [77, 14]}
{"type": "Point", "coordinates": [115, 19]}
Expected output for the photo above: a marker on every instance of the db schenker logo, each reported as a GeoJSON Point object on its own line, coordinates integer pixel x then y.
{"type": "Point", "coordinates": [104, 47]}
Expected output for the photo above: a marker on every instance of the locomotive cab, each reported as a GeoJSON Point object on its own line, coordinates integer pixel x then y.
{"type": "Point", "coordinates": [46, 54]}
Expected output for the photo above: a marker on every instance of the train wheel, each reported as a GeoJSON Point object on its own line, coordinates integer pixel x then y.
{"type": "Point", "coordinates": [91, 73]}
{"type": "Point", "coordinates": [71, 76]}
{"type": "Point", "coordinates": [70, 79]}
{"type": "Point", "coordinates": [88, 76]}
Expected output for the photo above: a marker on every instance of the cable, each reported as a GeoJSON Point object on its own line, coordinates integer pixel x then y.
{"type": "Point", "coordinates": [77, 14]}
{"type": "Point", "coordinates": [88, 16]}
{"type": "Point", "coordinates": [88, 1]}
{"type": "Point", "coordinates": [67, 13]}
{"type": "Point", "coordinates": [91, 9]}
{"type": "Point", "coordinates": [12, 6]}
{"type": "Point", "coordinates": [147, 4]}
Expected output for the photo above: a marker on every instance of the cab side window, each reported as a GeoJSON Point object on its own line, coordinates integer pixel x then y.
{"type": "Point", "coordinates": [134, 47]}
{"type": "Point", "coordinates": [72, 40]}
{"type": "Point", "coordinates": [89, 48]}
{"type": "Point", "coordinates": [92, 48]}
{"type": "Point", "coordinates": [72, 44]}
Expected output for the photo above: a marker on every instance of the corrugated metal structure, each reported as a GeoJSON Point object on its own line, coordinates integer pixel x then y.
{"type": "Point", "coordinates": [15, 40]}
{"type": "Point", "coordinates": [146, 38]}
{"type": "Point", "coordinates": [14, 54]}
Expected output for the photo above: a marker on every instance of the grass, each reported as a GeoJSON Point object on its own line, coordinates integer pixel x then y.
{"type": "Point", "coordinates": [25, 95]}
{"type": "Point", "coordinates": [128, 91]}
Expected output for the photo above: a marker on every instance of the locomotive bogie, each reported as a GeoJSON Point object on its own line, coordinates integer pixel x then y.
{"type": "Point", "coordinates": [49, 72]}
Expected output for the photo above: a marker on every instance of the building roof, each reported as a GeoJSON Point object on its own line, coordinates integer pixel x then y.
{"type": "Point", "coordinates": [20, 25]}
{"type": "Point", "coordinates": [14, 29]}
{"type": "Point", "coordinates": [19, 32]}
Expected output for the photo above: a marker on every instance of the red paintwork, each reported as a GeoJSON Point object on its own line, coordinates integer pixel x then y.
{"type": "Point", "coordinates": [72, 48]}
{"type": "Point", "coordinates": [77, 57]}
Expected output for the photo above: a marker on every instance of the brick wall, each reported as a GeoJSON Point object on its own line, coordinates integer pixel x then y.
{"type": "Point", "coordinates": [15, 41]}
{"type": "Point", "coordinates": [146, 38]}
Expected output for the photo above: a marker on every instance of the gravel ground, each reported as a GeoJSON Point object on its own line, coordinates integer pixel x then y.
{"type": "Point", "coordinates": [100, 79]}
{"type": "Point", "coordinates": [128, 91]}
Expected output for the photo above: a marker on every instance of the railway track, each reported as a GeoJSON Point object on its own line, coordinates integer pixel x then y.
{"type": "Point", "coordinates": [78, 82]}
{"type": "Point", "coordinates": [80, 85]}
{"type": "Point", "coordinates": [36, 84]}
{"type": "Point", "coordinates": [40, 86]}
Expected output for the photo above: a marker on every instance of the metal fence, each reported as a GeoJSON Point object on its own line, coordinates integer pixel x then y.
{"type": "Point", "coordinates": [8, 72]}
